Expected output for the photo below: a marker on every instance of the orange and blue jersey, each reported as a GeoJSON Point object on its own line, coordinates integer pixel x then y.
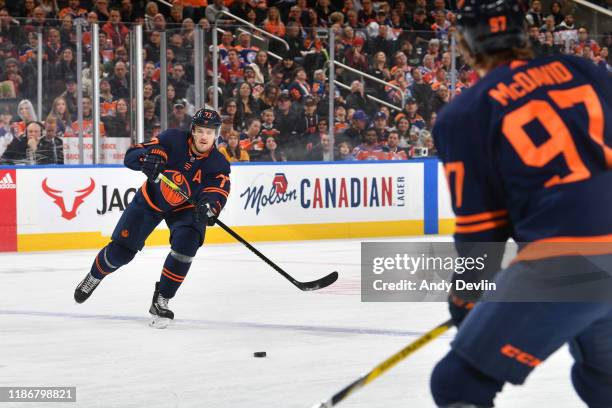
{"type": "Point", "coordinates": [200, 176]}
{"type": "Point", "coordinates": [527, 152]}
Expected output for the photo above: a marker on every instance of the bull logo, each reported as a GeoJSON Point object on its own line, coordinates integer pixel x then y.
{"type": "Point", "coordinates": [280, 183]}
{"type": "Point", "coordinates": [59, 200]}
{"type": "Point", "coordinates": [172, 197]}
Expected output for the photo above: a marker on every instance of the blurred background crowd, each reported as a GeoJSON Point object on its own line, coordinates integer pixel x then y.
{"type": "Point", "coordinates": [274, 95]}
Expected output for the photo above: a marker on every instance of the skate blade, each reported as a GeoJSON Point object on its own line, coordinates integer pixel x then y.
{"type": "Point", "coordinates": [159, 322]}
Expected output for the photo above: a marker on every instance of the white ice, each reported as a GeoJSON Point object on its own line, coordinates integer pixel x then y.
{"type": "Point", "coordinates": [230, 306]}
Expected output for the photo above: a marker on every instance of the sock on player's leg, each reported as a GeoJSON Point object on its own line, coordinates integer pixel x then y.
{"type": "Point", "coordinates": [110, 258]}
{"type": "Point", "coordinates": [173, 273]}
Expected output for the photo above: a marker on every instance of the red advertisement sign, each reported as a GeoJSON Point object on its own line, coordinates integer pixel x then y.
{"type": "Point", "coordinates": [8, 210]}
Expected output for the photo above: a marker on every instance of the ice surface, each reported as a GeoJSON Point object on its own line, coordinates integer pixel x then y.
{"type": "Point", "coordinates": [230, 306]}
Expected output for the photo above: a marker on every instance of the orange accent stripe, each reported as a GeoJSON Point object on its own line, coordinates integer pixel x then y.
{"type": "Point", "coordinates": [484, 216]}
{"type": "Point", "coordinates": [99, 267]}
{"type": "Point", "coordinates": [566, 246]}
{"type": "Point", "coordinates": [517, 64]}
{"type": "Point", "coordinates": [146, 196]}
{"type": "Point", "coordinates": [216, 190]}
{"type": "Point", "coordinates": [160, 152]}
{"type": "Point", "coordinates": [173, 276]}
{"type": "Point", "coordinates": [483, 226]}
{"type": "Point", "coordinates": [183, 207]}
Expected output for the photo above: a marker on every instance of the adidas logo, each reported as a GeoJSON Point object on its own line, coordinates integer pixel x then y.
{"type": "Point", "coordinates": [7, 182]}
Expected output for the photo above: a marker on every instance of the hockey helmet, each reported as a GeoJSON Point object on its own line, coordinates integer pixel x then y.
{"type": "Point", "coordinates": [208, 118]}
{"type": "Point", "coordinates": [490, 26]}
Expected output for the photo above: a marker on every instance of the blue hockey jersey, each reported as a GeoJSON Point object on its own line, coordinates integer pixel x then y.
{"type": "Point", "coordinates": [198, 175]}
{"type": "Point", "coordinates": [527, 153]}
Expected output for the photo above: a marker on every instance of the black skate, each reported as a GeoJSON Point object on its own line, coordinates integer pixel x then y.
{"type": "Point", "coordinates": [86, 288]}
{"type": "Point", "coordinates": [160, 314]}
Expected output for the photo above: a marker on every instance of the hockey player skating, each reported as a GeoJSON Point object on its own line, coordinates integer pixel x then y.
{"type": "Point", "coordinates": [191, 161]}
{"type": "Point", "coordinates": [532, 160]}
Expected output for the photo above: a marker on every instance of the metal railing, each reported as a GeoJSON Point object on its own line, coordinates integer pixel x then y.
{"type": "Point", "coordinates": [373, 78]}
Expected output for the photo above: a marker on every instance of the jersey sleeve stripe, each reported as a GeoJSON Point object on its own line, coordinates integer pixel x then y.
{"type": "Point", "coordinates": [484, 216]}
{"type": "Point", "coordinates": [565, 246]}
{"type": "Point", "coordinates": [483, 226]}
{"type": "Point", "coordinates": [216, 190]}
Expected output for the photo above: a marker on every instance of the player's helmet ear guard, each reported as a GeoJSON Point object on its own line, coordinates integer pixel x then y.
{"type": "Point", "coordinates": [490, 26]}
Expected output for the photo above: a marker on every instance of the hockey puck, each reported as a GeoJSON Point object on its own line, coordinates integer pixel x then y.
{"type": "Point", "coordinates": [259, 354]}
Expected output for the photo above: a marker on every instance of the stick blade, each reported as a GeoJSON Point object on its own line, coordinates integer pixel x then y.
{"type": "Point", "coordinates": [319, 283]}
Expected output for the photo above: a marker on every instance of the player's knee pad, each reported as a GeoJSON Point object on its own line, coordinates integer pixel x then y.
{"type": "Point", "coordinates": [186, 241]}
{"type": "Point", "coordinates": [592, 385]}
{"type": "Point", "coordinates": [116, 255]}
{"type": "Point", "coordinates": [455, 383]}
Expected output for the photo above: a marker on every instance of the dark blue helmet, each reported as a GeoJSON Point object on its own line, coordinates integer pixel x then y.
{"type": "Point", "coordinates": [490, 26]}
{"type": "Point", "coordinates": [205, 117]}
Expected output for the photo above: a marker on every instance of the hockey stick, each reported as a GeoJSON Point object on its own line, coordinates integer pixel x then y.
{"type": "Point", "coordinates": [305, 286]}
{"type": "Point", "coordinates": [385, 365]}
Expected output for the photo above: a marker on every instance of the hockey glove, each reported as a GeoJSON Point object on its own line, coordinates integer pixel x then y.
{"type": "Point", "coordinates": [458, 308]}
{"type": "Point", "coordinates": [154, 162]}
{"type": "Point", "coordinates": [204, 213]}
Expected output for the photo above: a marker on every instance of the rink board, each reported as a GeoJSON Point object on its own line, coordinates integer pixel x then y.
{"type": "Point", "coordinates": [77, 207]}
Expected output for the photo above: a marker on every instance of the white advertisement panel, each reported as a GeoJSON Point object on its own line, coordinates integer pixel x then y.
{"type": "Point", "coordinates": [112, 150]}
{"type": "Point", "coordinates": [445, 207]}
{"type": "Point", "coordinates": [312, 194]}
{"type": "Point", "coordinates": [91, 199]}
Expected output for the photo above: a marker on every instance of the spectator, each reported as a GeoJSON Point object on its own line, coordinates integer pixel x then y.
{"type": "Point", "coordinates": [250, 139]}
{"type": "Point", "coordinates": [25, 111]}
{"type": "Point", "coordinates": [235, 67]}
{"type": "Point", "coordinates": [286, 68]}
{"type": "Point", "coordinates": [286, 120]}
{"type": "Point", "coordinates": [394, 152]}
{"type": "Point", "coordinates": [556, 12]}
{"type": "Point", "coordinates": [441, 98]}
{"type": "Point", "coordinates": [119, 125]}
{"type": "Point", "coordinates": [534, 16]}
{"type": "Point", "coordinates": [119, 81]}
{"type": "Point", "coordinates": [53, 47]}
{"type": "Point", "coordinates": [403, 132]}
{"type": "Point", "coordinates": [22, 150]}
{"type": "Point", "coordinates": [74, 10]}
{"type": "Point", "coordinates": [369, 149]}
{"type": "Point", "coordinates": [149, 119]}
{"type": "Point", "coordinates": [344, 152]}
{"type": "Point", "coordinates": [182, 52]}
{"type": "Point", "coordinates": [179, 118]}
{"type": "Point", "coordinates": [148, 92]}
{"type": "Point", "coordinates": [421, 27]}
{"type": "Point", "coordinates": [151, 10]}
{"type": "Point", "coordinates": [10, 31]}
{"type": "Point", "coordinates": [421, 91]}
{"type": "Point", "coordinates": [12, 73]}
{"type": "Point", "coordinates": [233, 152]}
{"type": "Point", "coordinates": [170, 98]}
{"type": "Point", "coordinates": [60, 110]}
{"type": "Point", "coordinates": [359, 122]}
{"type": "Point", "coordinates": [28, 9]}
{"type": "Point", "coordinates": [268, 127]}
{"type": "Point", "coordinates": [271, 152]}
{"type": "Point", "coordinates": [262, 67]}
{"type": "Point", "coordinates": [247, 105]}
{"type": "Point", "coordinates": [411, 113]}
{"type": "Point", "coordinates": [357, 99]}
{"type": "Point", "coordinates": [367, 14]}
{"type": "Point", "coordinates": [213, 9]}
{"type": "Point", "coordinates": [87, 122]}
{"type": "Point", "coordinates": [299, 88]}
{"type": "Point", "coordinates": [50, 147]}
{"type": "Point", "coordinates": [323, 151]}
{"type": "Point", "coordinates": [6, 135]}
{"type": "Point", "coordinates": [101, 10]}
{"type": "Point", "coordinates": [177, 79]}
{"type": "Point", "coordinates": [273, 23]}
{"type": "Point", "coordinates": [585, 42]}
{"type": "Point", "coordinates": [116, 31]}
{"type": "Point", "coordinates": [70, 96]}
{"type": "Point", "coordinates": [108, 102]}
{"type": "Point", "coordinates": [380, 126]}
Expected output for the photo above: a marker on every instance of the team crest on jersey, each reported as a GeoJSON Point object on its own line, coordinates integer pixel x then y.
{"type": "Point", "coordinates": [172, 197]}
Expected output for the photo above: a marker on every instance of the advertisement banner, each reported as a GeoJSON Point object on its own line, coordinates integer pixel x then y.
{"type": "Point", "coordinates": [8, 209]}
{"type": "Point", "coordinates": [79, 207]}
{"type": "Point", "coordinates": [112, 150]}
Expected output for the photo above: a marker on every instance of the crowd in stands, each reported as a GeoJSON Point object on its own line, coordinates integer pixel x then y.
{"type": "Point", "coordinates": [274, 101]}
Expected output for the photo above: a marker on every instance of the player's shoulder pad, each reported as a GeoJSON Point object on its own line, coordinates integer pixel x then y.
{"type": "Point", "coordinates": [219, 162]}
{"type": "Point", "coordinates": [173, 136]}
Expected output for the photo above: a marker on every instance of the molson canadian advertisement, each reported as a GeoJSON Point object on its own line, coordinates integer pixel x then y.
{"type": "Point", "coordinates": [50, 208]}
